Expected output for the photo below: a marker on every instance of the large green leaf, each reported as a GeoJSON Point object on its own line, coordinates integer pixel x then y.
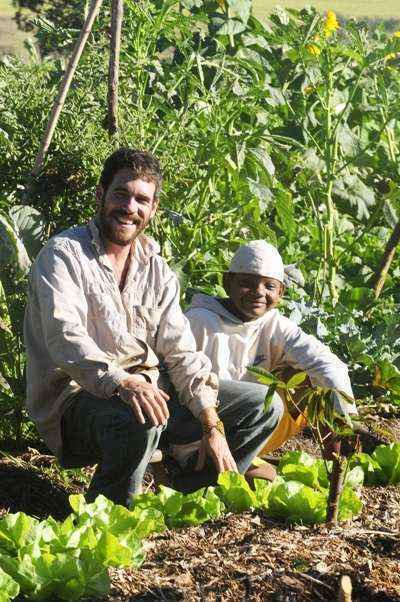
{"type": "Point", "coordinates": [29, 226]}
{"type": "Point", "coordinates": [15, 530]}
{"type": "Point", "coordinates": [9, 589]}
{"type": "Point", "coordinates": [235, 492]}
{"type": "Point", "coordinates": [13, 255]}
{"type": "Point", "coordinates": [388, 458]}
{"type": "Point", "coordinates": [297, 502]}
{"type": "Point", "coordinates": [351, 189]}
{"type": "Point", "coordinates": [242, 8]}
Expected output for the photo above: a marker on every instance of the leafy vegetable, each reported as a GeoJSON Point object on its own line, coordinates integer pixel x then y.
{"type": "Point", "coordinates": [382, 467]}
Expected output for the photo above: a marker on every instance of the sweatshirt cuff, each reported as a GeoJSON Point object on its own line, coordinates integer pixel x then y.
{"type": "Point", "coordinates": [342, 405]}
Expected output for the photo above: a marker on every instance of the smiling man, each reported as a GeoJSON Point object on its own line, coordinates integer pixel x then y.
{"type": "Point", "coordinates": [102, 315]}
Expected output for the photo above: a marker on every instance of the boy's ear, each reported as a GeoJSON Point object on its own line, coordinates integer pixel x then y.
{"type": "Point", "coordinates": [99, 194]}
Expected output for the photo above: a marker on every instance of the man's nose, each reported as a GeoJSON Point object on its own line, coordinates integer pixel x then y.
{"type": "Point", "coordinates": [131, 204]}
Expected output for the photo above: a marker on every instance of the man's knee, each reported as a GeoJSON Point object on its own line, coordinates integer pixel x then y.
{"type": "Point", "coordinates": [120, 433]}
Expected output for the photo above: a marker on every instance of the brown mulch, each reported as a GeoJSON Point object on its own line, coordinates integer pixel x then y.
{"type": "Point", "coordinates": [246, 557]}
{"type": "Point", "coordinates": [250, 557]}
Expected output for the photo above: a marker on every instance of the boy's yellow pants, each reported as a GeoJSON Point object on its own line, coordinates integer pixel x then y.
{"type": "Point", "coordinates": [288, 427]}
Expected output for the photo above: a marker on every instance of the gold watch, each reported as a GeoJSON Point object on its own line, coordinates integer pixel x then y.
{"type": "Point", "coordinates": [219, 426]}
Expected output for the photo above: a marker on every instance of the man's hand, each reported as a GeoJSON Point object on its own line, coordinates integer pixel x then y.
{"type": "Point", "coordinates": [145, 397]}
{"type": "Point", "coordinates": [214, 444]}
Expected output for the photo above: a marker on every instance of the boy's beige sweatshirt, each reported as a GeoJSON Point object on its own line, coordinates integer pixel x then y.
{"type": "Point", "coordinates": [270, 342]}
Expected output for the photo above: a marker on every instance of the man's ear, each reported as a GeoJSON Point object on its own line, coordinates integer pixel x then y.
{"type": "Point", "coordinates": [283, 289]}
{"type": "Point", "coordinates": [99, 194]}
{"type": "Point", "coordinates": [226, 282]}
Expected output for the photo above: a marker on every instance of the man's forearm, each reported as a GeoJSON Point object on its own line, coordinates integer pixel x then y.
{"type": "Point", "coordinates": [208, 416]}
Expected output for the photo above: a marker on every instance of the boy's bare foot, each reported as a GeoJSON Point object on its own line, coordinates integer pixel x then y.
{"type": "Point", "coordinates": [263, 471]}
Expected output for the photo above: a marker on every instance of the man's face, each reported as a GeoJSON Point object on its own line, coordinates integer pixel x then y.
{"type": "Point", "coordinates": [251, 296]}
{"type": "Point", "coordinates": [126, 208]}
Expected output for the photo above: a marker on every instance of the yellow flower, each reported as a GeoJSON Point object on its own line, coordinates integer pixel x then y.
{"type": "Point", "coordinates": [313, 49]}
{"type": "Point", "coordinates": [396, 34]}
{"type": "Point", "coordinates": [331, 24]}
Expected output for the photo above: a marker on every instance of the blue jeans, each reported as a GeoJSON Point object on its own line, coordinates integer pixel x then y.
{"type": "Point", "coordinates": [247, 428]}
{"type": "Point", "coordinates": [106, 432]}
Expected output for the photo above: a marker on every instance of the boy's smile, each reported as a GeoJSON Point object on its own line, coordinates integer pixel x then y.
{"type": "Point", "coordinates": [250, 295]}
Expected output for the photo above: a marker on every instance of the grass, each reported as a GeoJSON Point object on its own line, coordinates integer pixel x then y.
{"type": "Point", "coordinates": [11, 38]}
{"type": "Point", "coordinates": [379, 9]}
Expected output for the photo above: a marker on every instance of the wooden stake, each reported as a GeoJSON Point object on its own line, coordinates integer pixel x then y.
{"type": "Point", "coordinates": [345, 589]}
{"type": "Point", "coordinates": [65, 85]}
{"type": "Point", "coordinates": [387, 258]}
{"type": "Point", "coordinates": [113, 71]}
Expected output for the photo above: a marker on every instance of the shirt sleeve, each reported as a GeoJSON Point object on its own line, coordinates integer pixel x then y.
{"type": "Point", "coordinates": [189, 370]}
{"type": "Point", "coordinates": [56, 288]}
{"type": "Point", "coordinates": [304, 352]}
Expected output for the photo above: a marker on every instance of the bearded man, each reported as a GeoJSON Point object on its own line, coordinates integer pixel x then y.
{"type": "Point", "coordinates": [102, 315]}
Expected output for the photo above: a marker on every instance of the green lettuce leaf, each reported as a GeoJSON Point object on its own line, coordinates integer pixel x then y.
{"type": "Point", "coordinates": [9, 588]}
{"type": "Point", "coordinates": [235, 492]}
{"type": "Point", "coordinates": [297, 502]}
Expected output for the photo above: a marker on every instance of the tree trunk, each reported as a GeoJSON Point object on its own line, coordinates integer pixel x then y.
{"type": "Point", "coordinates": [113, 71]}
{"type": "Point", "coordinates": [382, 271]}
{"type": "Point", "coordinates": [65, 85]}
{"type": "Point", "coordinates": [335, 488]}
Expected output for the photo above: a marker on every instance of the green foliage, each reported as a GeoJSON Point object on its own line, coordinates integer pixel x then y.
{"type": "Point", "coordinates": [180, 510]}
{"type": "Point", "coordinates": [287, 132]}
{"type": "Point", "coordinates": [382, 467]}
{"type": "Point", "coordinates": [21, 233]}
{"type": "Point", "coordinates": [69, 560]}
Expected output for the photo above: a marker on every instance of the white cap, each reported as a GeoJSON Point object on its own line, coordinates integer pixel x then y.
{"type": "Point", "coordinates": [258, 257]}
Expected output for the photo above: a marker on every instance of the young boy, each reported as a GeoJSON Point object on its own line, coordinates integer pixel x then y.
{"type": "Point", "coordinates": [247, 329]}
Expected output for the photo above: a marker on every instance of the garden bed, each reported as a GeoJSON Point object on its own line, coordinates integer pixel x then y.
{"type": "Point", "coordinates": [246, 556]}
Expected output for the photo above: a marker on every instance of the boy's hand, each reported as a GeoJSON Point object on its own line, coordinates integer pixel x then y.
{"type": "Point", "coordinates": [215, 445]}
{"type": "Point", "coordinates": [145, 397]}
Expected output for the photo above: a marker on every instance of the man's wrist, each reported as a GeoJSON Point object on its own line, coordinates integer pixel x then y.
{"type": "Point", "coordinates": [218, 425]}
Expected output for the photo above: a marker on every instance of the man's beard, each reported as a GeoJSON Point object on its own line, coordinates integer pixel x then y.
{"type": "Point", "coordinates": [109, 230]}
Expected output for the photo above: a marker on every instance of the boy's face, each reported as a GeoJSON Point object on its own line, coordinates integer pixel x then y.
{"type": "Point", "coordinates": [251, 296]}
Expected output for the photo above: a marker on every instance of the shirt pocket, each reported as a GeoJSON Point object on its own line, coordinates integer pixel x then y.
{"type": "Point", "coordinates": [106, 324]}
{"type": "Point", "coordinates": [145, 322]}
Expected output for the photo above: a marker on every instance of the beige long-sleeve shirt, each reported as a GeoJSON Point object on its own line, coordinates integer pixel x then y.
{"type": "Point", "coordinates": [81, 332]}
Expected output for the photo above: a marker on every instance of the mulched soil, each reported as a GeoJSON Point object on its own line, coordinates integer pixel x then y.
{"type": "Point", "coordinates": [242, 557]}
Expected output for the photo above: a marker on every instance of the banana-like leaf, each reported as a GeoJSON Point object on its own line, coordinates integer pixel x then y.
{"type": "Point", "coordinates": [13, 255]}
{"type": "Point", "coordinates": [29, 226]}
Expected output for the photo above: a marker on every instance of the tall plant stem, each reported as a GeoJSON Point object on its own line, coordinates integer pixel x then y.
{"type": "Point", "coordinates": [113, 70]}
{"type": "Point", "coordinates": [65, 85]}
{"type": "Point", "coordinates": [330, 161]}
